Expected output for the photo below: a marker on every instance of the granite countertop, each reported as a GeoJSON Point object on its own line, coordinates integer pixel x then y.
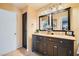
{"type": "Point", "coordinates": [56, 36]}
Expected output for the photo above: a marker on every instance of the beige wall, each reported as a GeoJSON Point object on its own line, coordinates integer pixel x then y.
{"type": "Point", "coordinates": [10, 7]}
{"type": "Point", "coordinates": [75, 25]}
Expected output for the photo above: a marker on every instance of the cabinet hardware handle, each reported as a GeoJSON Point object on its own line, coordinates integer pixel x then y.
{"type": "Point", "coordinates": [49, 39]}
{"type": "Point", "coordinates": [55, 46]}
{"type": "Point", "coordinates": [61, 41]}
{"type": "Point", "coordinates": [40, 37]}
{"type": "Point", "coordinates": [70, 51]}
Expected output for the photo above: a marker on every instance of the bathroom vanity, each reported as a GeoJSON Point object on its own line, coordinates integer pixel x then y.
{"type": "Point", "coordinates": [53, 45]}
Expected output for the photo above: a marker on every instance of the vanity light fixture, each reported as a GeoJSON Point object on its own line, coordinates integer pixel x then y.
{"type": "Point", "coordinates": [56, 7]}
{"type": "Point", "coordinates": [52, 9]}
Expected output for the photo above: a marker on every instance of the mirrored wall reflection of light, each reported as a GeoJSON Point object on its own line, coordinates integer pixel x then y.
{"type": "Point", "coordinates": [53, 8]}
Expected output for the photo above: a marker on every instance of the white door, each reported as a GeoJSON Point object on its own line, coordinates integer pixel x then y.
{"type": "Point", "coordinates": [7, 31]}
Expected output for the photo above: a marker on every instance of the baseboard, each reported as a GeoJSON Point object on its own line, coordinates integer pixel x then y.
{"type": "Point", "coordinates": [19, 46]}
{"type": "Point", "coordinates": [3, 54]}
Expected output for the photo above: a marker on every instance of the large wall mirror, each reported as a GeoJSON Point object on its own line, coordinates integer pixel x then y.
{"type": "Point", "coordinates": [43, 22]}
{"type": "Point", "coordinates": [60, 20]}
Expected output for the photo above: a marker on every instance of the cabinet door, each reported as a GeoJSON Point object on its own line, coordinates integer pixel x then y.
{"type": "Point", "coordinates": [50, 45]}
{"type": "Point", "coordinates": [62, 50]}
{"type": "Point", "coordinates": [50, 50]}
{"type": "Point", "coordinates": [54, 45]}
{"type": "Point", "coordinates": [70, 50]}
{"type": "Point", "coordinates": [40, 47]}
{"type": "Point", "coordinates": [34, 42]}
{"type": "Point", "coordinates": [55, 49]}
{"type": "Point", "coordinates": [65, 48]}
{"type": "Point", "coordinates": [45, 45]}
{"type": "Point", "coordinates": [39, 44]}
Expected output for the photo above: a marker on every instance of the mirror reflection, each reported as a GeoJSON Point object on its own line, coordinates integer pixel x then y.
{"type": "Point", "coordinates": [60, 20]}
{"type": "Point", "coordinates": [43, 22]}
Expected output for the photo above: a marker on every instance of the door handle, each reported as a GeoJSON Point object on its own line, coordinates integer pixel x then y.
{"type": "Point", "coordinates": [14, 33]}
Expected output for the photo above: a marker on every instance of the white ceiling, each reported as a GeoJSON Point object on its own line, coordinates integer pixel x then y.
{"type": "Point", "coordinates": [34, 5]}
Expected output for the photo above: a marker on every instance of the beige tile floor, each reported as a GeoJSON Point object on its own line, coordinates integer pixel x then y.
{"type": "Point", "coordinates": [21, 52]}
{"type": "Point", "coordinates": [24, 52]}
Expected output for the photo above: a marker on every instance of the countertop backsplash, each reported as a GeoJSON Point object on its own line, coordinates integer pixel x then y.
{"type": "Point", "coordinates": [52, 32]}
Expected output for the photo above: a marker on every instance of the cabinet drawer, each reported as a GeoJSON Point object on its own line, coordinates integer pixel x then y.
{"type": "Point", "coordinates": [53, 40]}
{"type": "Point", "coordinates": [65, 42]}
{"type": "Point", "coordinates": [39, 38]}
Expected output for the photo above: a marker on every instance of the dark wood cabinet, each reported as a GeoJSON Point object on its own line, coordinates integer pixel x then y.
{"type": "Point", "coordinates": [34, 43]}
{"type": "Point", "coordinates": [52, 46]}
